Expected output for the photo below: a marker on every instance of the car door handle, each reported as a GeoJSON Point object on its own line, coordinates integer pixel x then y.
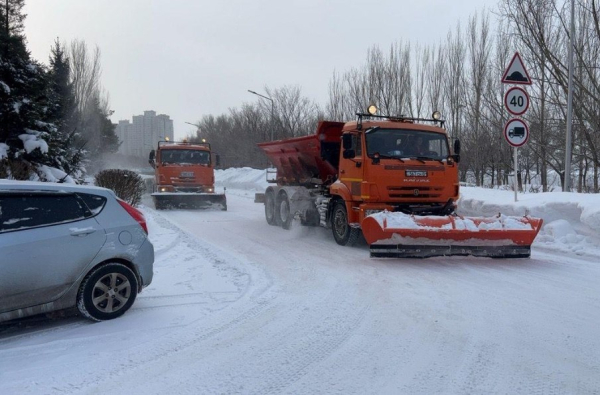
{"type": "Point", "coordinates": [82, 232]}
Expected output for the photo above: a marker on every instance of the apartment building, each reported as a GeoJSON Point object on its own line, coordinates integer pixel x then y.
{"type": "Point", "coordinates": [141, 135]}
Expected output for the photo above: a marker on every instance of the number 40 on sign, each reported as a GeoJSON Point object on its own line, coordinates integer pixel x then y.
{"type": "Point", "coordinates": [516, 101]}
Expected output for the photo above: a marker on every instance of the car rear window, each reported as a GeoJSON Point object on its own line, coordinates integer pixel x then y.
{"type": "Point", "coordinates": [22, 211]}
{"type": "Point", "coordinates": [94, 202]}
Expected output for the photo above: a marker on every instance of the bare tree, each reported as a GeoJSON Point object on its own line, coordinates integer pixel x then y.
{"type": "Point", "coordinates": [85, 72]}
{"type": "Point", "coordinates": [419, 81]}
{"type": "Point", "coordinates": [479, 56]}
{"type": "Point", "coordinates": [295, 115]}
{"type": "Point", "coordinates": [455, 81]}
{"type": "Point", "coordinates": [546, 36]}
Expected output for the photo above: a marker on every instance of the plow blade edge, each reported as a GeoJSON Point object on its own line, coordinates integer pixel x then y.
{"type": "Point", "coordinates": [165, 200]}
{"type": "Point", "coordinates": [399, 235]}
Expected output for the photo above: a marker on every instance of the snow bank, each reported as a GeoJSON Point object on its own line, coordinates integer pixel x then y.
{"type": "Point", "coordinates": [571, 220]}
{"type": "Point", "coordinates": [242, 178]}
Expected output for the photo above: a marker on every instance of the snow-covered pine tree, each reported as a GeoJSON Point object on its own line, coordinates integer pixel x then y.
{"type": "Point", "coordinates": [65, 145]}
{"type": "Point", "coordinates": [24, 126]}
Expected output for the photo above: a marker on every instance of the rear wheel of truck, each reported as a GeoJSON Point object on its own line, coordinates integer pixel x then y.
{"type": "Point", "coordinates": [343, 233]}
{"type": "Point", "coordinates": [284, 216]}
{"type": "Point", "coordinates": [270, 208]}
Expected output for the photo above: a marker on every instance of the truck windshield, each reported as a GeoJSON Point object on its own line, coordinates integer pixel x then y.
{"type": "Point", "coordinates": [404, 143]}
{"type": "Point", "coordinates": [185, 156]}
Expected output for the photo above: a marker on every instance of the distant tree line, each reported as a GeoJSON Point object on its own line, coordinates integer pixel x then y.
{"type": "Point", "coordinates": [54, 116]}
{"type": "Point", "coordinates": [461, 77]}
{"type": "Point", "coordinates": [234, 136]}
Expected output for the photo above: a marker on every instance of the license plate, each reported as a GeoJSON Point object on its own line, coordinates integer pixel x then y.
{"type": "Point", "coordinates": [187, 174]}
{"type": "Point", "coordinates": [416, 173]}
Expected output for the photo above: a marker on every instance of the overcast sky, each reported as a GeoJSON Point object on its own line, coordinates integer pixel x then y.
{"type": "Point", "coordinates": [189, 58]}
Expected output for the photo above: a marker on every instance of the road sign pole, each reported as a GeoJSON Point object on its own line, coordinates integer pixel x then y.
{"type": "Point", "coordinates": [515, 172]}
{"type": "Point", "coordinates": [516, 101]}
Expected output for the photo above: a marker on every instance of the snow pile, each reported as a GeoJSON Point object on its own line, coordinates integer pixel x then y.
{"type": "Point", "coordinates": [396, 220]}
{"type": "Point", "coordinates": [571, 220]}
{"type": "Point", "coordinates": [242, 178]}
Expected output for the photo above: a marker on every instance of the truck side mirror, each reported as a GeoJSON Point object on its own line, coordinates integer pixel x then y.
{"type": "Point", "coordinates": [347, 141]}
{"type": "Point", "coordinates": [457, 147]}
{"type": "Point", "coordinates": [218, 160]}
{"type": "Point", "coordinates": [151, 159]}
{"type": "Point", "coordinates": [347, 145]}
{"type": "Point", "coordinates": [456, 155]}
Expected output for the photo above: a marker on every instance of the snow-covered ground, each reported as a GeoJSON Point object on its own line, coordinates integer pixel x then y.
{"type": "Point", "coordinates": [241, 307]}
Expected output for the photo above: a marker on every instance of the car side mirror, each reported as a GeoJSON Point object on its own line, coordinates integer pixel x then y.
{"type": "Point", "coordinates": [218, 160]}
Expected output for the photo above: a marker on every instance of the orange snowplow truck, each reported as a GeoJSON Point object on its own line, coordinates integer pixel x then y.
{"type": "Point", "coordinates": [395, 179]}
{"type": "Point", "coordinates": [184, 176]}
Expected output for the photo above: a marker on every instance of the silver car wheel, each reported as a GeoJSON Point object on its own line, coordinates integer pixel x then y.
{"type": "Point", "coordinates": [111, 292]}
{"type": "Point", "coordinates": [107, 292]}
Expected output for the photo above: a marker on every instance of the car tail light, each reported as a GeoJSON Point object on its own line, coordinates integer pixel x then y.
{"type": "Point", "coordinates": [135, 213]}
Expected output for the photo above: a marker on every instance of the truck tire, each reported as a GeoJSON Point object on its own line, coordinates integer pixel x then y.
{"type": "Point", "coordinates": [343, 233]}
{"type": "Point", "coordinates": [270, 208]}
{"type": "Point", "coordinates": [283, 212]}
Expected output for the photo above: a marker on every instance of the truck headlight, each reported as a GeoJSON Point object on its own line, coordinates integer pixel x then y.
{"type": "Point", "coordinates": [210, 190]}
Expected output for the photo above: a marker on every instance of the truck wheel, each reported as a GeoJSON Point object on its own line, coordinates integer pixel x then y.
{"type": "Point", "coordinates": [343, 233]}
{"type": "Point", "coordinates": [270, 208]}
{"type": "Point", "coordinates": [283, 212]}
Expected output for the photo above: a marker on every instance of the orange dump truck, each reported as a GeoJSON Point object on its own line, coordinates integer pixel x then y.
{"type": "Point", "coordinates": [395, 179]}
{"type": "Point", "coordinates": [184, 176]}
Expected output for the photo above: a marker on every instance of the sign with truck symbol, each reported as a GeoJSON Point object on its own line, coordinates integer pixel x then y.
{"type": "Point", "coordinates": [516, 132]}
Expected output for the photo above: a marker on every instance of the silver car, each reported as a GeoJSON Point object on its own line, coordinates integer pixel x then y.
{"type": "Point", "coordinates": [65, 246]}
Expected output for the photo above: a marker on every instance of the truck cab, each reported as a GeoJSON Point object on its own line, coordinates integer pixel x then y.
{"type": "Point", "coordinates": [396, 165]}
{"type": "Point", "coordinates": [184, 175]}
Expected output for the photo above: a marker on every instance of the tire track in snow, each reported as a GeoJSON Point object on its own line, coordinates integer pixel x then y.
{"type": "Point", "coordinates": [290, 348]}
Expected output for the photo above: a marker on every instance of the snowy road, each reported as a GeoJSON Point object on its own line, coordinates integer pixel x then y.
{"type": "Point", "coordinates": [238, 306]}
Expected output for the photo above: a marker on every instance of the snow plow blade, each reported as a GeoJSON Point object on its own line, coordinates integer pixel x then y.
{"type": "Point", "coordinates": [397, 235]}
{"type": "Point", "coordinates": [165, 200]}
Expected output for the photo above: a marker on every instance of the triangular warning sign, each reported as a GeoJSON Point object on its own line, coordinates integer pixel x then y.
{"type": "Point", "coordinates": [515, 72]}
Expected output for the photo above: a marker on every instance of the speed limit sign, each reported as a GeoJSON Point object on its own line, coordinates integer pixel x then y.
{"type": "Point", "coordinates": [516, 101]}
